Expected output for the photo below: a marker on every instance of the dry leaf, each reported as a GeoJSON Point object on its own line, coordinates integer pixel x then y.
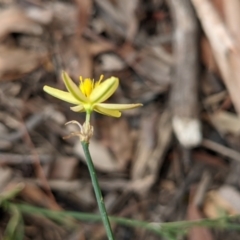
{"type": "Point", "coordinates": [197, 233]}
{"type": "Point", "coordinates": [64, 168]}
{"type": "Point", "coordinates": [121, 143]}
{"type": "Point", "coordinates": [111, 62]}
{"type": "Point", "coordinates": [148, 63]}
{"type": "Point", "coordinates": [101, 157]}
{"type": "Point", "coordinates": [15, 20]}
{"type": "Point", "coordinates": [120, 16]}
{"type": "Point", "coordinates": [225, 200]}
{"type": "Point", "coordinates": [5, 177]}
{"type": "Point", "coordinates": [226, 122]}
{"type": "Point", "coordinates": [150, 154]}
{"type": "Point", "coordinates": [231, 195]}
{"type": "Point", "coordinates": [36, 196]}
{"type": "Point", "coordinates": [15, 62]}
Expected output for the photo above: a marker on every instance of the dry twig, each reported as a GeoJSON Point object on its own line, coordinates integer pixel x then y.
{"type": "Point", "coordinates": [184, 87]}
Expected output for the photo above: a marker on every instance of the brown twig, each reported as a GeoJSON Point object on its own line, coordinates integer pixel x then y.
{"type": "Point", "coordinates": [38, 168]}
{"type": "Point", "coordinates": [227, 152]}
{"type": "Point", "coordinates": [185, 81]}
{"type": "Point", "coordinates": [9, 158]}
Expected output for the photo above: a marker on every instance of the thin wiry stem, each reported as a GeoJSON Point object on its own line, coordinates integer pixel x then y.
{"type": "Point", "coordinates": [97, 190]}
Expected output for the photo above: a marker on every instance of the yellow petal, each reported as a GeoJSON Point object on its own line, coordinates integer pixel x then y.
{"type": "Point", "coordinates": [104, 90]}
{"type": "Point", "coordinates": [65, 96]}
{"type": "Point", "coordinates": [72, 88]}
{"type": "Point", "coordinates": [78, 108]}
{"type": "Point", "coordinates": [108, 112]}
{"type": "Point", "coordinates": [119, 107]}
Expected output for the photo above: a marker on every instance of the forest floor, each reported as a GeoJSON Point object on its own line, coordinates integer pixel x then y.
{"type": "Point", "coordinates": [177, 158]}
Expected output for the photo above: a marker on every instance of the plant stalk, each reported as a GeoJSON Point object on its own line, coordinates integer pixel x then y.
{"type": "Point", "coordinates": [97, 191]}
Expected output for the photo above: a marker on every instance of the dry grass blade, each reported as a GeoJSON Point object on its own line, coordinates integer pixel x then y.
{"type": "Point", "coordinates": [225, 51]}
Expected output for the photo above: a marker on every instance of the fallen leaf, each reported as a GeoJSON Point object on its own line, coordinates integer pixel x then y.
{"type": "Point", "coordinates": [197, 233]}
{"type": "Point", "coordinates": [36, 196]}
{"type": "Point", "coordinates": [64, 168]}
{"type": "Point", "coordinates": [226, 122]}
{"type": "Point", "coordinates": [225, 200]}
{"type": "Point", "coordinates": [101, 157]}
{"type": "Point", "coordinates": [16, 62]}
{"type": "Point", "coordinates": [14, 20]}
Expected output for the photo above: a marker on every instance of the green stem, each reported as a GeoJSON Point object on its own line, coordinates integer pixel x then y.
{"type": "Point", "coordinates": [62, 216]}
{"type": "Point", "coordinates": [97, 191]}
{"type": "Point", "coordinates": [161, 229]}
{"type": "Point", "coordinates": [88, 115]}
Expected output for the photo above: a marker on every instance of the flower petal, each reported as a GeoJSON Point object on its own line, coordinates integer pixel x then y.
{"type": "Point", "coordinates": [104, 90]}
{"type": "Point", "coordinates": [78, 108]}
{"type": "Point", "coordinates": [108, 112]}
{"type": "Point", "coordinates": [65, 96]}
{"type": "Point", "coordinates": [73, 89]}
{"type": "Point", "coordinates": [119, 106]}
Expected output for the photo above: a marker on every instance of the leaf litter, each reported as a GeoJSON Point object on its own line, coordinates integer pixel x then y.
{"type": "Point", "coordinates": [145, 169]}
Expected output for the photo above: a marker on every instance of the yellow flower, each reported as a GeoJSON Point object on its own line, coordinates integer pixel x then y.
{"type": "Point", "coordinates": [89, 95]}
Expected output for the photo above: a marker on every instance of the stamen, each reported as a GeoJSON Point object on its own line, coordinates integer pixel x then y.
{"type": "Point", "coordinates": [81, 79]}
{"type": "Point", "coordinates": [81, 85]}
{"type": "Point", "coordinates": [99, 81]}
{"type": "Point", "coordinates": [87, 85]}
{"type": "Point", "coordinates": [101, 78]}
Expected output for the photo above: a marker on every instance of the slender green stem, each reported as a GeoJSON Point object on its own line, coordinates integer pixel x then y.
{"type": "Point", "coordinates": [88, 115]}
{"type": "Point", "coordinates": [157, 228]}
{"type": "Point", "coordinates": [97, 191]}
{"type": "Point", "coordinates": [14, 229]}
{"type": "Point", "coordinates": [62, 218]}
